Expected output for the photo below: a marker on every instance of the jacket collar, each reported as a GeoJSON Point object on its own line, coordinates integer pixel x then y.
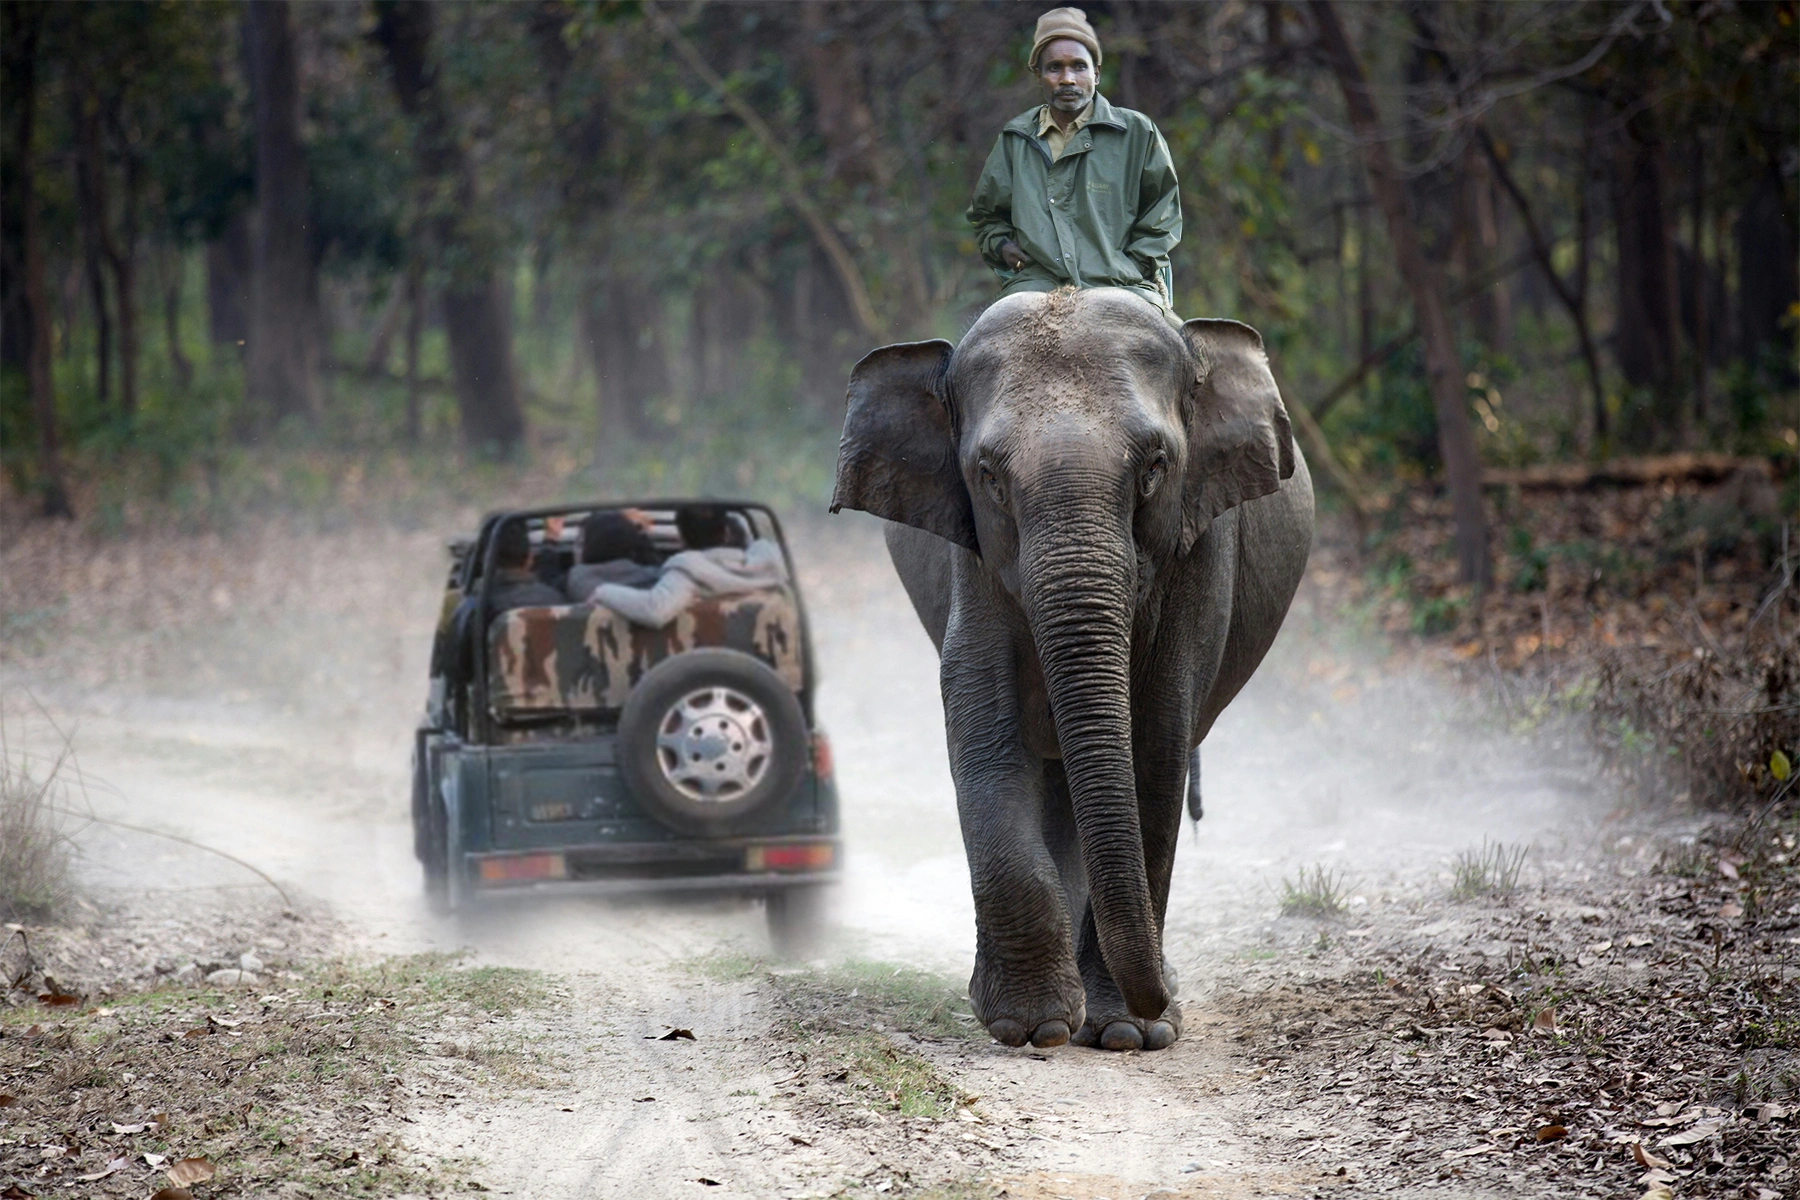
{"type": "Point", "coordinates": [1027, 121]}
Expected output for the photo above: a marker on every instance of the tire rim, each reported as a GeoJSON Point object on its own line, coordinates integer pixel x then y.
{"type": "Point", "coordinates": [714, 746]}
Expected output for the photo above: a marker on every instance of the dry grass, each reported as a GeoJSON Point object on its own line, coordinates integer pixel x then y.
{"type": "Point", "coordinates": [1492, 870]}
{"type": "Point", "coordinates": [34, 843]}
{"type": "Point", "coordinates": [1316, 892]}
{"type": "Point", "coordinates": [293, 1090]}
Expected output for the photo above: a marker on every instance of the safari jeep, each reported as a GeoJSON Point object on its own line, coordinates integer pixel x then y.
{"type": "Point", "coordinates": [566, 749]}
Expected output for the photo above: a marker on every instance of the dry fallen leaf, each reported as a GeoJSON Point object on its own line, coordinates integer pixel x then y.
{"type": "Point", "coordinates": [117, 1164]}
{"type": "Point", "coordinates": [190, 1170]}
{"type": "Point", "coordinates": [123, 1129]}
{"type": "Point", "coordinates": [1550, 1133]}
{"type": "Point", "coordinates": [674, 1035]}
{"type": "Point", "coordinates": [1698, 1133]}
{"type": "Point", "coordinates": [1645, 1158]}
{"type": "Point", "coordinates": [15, 1192]}
{"type": "Point", "coordinates": [1730, 911]}
{"type": "Point", "coordinates": [172, 1193]}
{"type": "Point", "coordinates": [1545, 1021]}
{"type": "Point", "coordinates": [1728, 869]}
{"type": "Point", "coordinates": [155, 1160]}
{"type": "Point", "coordinates": [7, 1099]}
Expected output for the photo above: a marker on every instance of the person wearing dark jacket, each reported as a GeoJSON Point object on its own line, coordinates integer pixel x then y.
{"type": "Point", "coordinates": [614, 549]}
{"type": "Point", "coordinates": [515, 584]}
{"type": "Point", "coordinates": [1077, 192]}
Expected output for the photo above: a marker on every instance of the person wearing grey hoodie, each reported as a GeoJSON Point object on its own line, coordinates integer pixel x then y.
{"type": "Point", "coordinates": [708, 567]}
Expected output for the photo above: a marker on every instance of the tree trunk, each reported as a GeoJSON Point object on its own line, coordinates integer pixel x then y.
{"type": "Point", "coordinates": [1767, 284]}
{"type": "Point", "coordinates": [179, 364]}
{"type": "Point", "coordinates": [283, 367]}
{"type": "Point", "coordinates": [1456, 441]}
{"type": "Point", "coordinates": [476, 298]}
{"type": "Point", "coordinates": [23, 30]}
{"type": "Point", "coordinates": [228, 283]}
{"type": "Point", "coordinates": [477, 315]}
{"type": "Point", "coordinates": [1647, 327]}
{"type": "Point", "coordinates": [415, 329]}
{"type": "Point", "coordinates": [1697, 291]}
{"type": "Point", "coordinates": [624, 331]}
{"type": "Point", "coordinates": [122, 256]}
{"type": "Point", "coordinates": [1573, 297]}
{"type": "Point", "coordinates": [96, 238]}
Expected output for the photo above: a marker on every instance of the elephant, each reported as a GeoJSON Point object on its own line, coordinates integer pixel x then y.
{"type": "Point", "coordinates": [1101, 521]}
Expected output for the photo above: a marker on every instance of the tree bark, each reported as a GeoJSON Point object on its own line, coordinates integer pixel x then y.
{"type": "Point", "coordinates": [1767, 283]}
{"type": "Point", "coordinates": [96, 238]}
{"type": "Point", "coordinates": [624, 332]}
{"type": "Point", "coordinates": [23, 31]}
{"type": "Point", "coordinates": [415, 329]}
{"type": "Point", "coordinates": [122, 257]}
{"type": "Point", "coordinates": [178, 360]}
{"type": "Point", "coordinates": [476, 307]}
{"type": "Point", "coordinates": [1648, 328]}
{"type": "Point", "coordinates": [1702, 383]}
{"type": "Point", "coordinates": [1456, 441]}
{"type": "Point", "coordinates": [283, 367]}
{"type": "Point", "coordinates": [228, 283]}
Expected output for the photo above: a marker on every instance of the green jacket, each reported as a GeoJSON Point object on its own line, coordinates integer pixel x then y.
{"type": "Point", "coordinates": [1106, 214]}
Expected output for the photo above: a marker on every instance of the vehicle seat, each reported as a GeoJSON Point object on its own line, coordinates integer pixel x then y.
{"type": "Point", "coordinates": [543, 662]}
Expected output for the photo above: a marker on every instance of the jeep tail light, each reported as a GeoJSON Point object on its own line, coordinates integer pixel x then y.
{"type": "Point", "coordinates": [523, 868]}
{"type": "Point", "coordinates": [805, 856]}
{"type": "Point", "coordinates": [822, 764]}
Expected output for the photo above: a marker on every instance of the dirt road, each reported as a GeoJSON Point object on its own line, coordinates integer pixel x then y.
{"type": "Point", "coordinates": [298, 766]}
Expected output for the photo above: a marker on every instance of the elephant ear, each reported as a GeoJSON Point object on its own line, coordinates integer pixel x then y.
{"type": "Point", "coordinates": [897, 458]}
{"type": "Point", "coordinates": [1240, 445]}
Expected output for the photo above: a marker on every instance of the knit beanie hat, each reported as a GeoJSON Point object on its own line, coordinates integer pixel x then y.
{"type": "Point", "coordinates": [1069, 23]}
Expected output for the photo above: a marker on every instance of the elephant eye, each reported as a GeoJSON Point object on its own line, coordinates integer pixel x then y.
{"type": "Point", "coordinates": [1153, 474]}
{"type": "Point", "coordinates": [992, 484]}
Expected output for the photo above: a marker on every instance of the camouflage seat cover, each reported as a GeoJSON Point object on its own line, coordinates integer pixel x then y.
{"type": "Point", "coordinates": [583, 657]}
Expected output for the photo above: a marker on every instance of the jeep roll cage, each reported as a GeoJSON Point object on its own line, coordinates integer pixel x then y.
{"type": "Point", "coordinates": [478, 567]}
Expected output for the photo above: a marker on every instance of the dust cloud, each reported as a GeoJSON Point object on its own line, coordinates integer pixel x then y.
{"type": "Point", "coordinates": [256, 693]}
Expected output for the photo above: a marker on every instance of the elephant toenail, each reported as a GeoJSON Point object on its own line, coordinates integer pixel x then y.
{"type": "Point", "coordinates": [1162, 1035]}
{"type": "Point", "coordinates": [1122, 1035]}
{"type": "Point", "coordinates": [1007, 1032]}
{"type": "Point", "coordinates": [1050, 1033]}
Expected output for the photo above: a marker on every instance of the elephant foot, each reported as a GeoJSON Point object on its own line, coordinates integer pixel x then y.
{"type": "Point", "coordinates": [1008, 1032]}
{"type": "Point", "coordinates": [1043, 1015]}
{"type": "Point", "coordinates": [1122, 1032]}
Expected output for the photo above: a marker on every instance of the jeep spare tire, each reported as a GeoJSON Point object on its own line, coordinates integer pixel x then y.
{"type": "Point", "coordinates": [711, 740]}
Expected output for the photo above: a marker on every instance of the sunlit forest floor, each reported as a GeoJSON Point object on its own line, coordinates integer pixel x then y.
{"type": "Point", "coordinates": [1490, 899]}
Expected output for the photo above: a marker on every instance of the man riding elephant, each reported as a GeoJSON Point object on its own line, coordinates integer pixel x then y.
{"type": "Point", "coordinates": [1078, 193]}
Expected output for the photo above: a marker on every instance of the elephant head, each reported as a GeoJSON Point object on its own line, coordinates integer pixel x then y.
{"type": "Point", "coordinates": [1079, 445]}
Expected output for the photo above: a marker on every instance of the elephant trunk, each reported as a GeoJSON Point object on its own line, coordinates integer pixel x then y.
{"type": "Point", "coordinates": [1077, 584]}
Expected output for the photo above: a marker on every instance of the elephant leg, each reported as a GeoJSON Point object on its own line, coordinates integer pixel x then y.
{"type": "Point", "coordinates": [1162, 776]}
{"type": "Point", "coordinates": [1025, 986]}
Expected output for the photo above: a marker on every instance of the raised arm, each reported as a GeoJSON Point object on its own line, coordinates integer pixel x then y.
{"type": "Point", "coordinates": [653, 607]}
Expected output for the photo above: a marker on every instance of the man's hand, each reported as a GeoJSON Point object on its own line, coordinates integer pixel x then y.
{"type": "Point", "coordinates": [1014, 257]}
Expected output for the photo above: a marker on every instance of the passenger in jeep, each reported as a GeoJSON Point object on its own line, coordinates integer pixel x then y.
{"type": "Point", "coordinates": [709, 566]}
{"type": "Point", "coordinates": [515, 585]}
{"type": "Point", "coordinates": [614, 549]}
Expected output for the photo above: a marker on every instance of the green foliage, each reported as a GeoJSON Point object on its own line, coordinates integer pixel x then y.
{"type": "Point", "coordinates": [595, 158]}
{"type": "Point", "coordinates": [1493, 870]}
{"type": "Point", "coordinates": [1316, 891]}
